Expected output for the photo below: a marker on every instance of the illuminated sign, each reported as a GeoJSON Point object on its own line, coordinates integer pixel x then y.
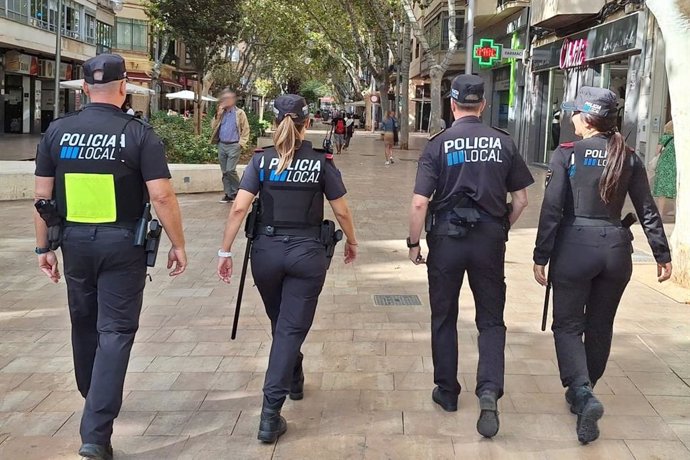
{"type": "Point", "coordinates": [487, 52]}
{"type": "Point", "coordinates": [573, 53]}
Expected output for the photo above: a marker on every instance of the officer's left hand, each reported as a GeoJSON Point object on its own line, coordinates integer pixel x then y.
{"type": "Point", "coordinates": [416, 256]}
{"type": "Point", "coordinates": [540, 274]}
{"type": "Point", "coordinates": [225, 269]}
{"type": "Point", "coordinates": [48, 263]}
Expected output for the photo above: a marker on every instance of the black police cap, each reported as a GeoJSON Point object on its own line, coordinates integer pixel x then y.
{"type": "Point", "coordinates": [292, 105]}
{"type": "Point", "coordinates": [112, 67]}
{"type": "Point", "coordinates": [467, 89]}
{"type": "Point", "coordinates": [595, 101]}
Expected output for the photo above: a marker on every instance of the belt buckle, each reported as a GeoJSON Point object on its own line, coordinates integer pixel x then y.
{"type": "Point", "coordinates": [270, 230]}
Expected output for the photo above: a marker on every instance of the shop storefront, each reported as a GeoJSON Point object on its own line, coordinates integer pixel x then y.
{"type": "Point", "coordinates": [29, 92]}
{"type": "Point", "coordinates": [607, 56]}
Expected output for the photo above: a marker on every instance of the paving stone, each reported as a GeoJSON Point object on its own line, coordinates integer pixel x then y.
{"type": "Point", "coordinates": [638, 428]}
{"type": "Point", "coordinates": [163, 400]}
{"type": "Point", "coordinates": [673, 409]}
{"type": "Point", "coordinates": [346, 447]}
{"type": "Point", "coordinates": [126, 424]}
{"type": "Point", "coordinates": [21, 401]}
{"type": "Point", "coordinates": [659, 450]}
{"type": "Point", "coordinates": [184, 364]}
{"type": "Point", "coordinates": [211, 447]}
{"type": "Point", "coordinates": [168, 423]}
{"type": "Point", "coordinates": [208, 422]}
{"type": "Point", "coordinates": [357, 381]}
{"type": "Point", "coordinates": [151, 380]}
{"type": "Point", "coordinates": [32, 423]}
{"type": "Point", "coordinates": [226, 381]}
{"type": "Point", "coordinates": [658, 384]}
{"type": "Point", "coordinates": [40, 448]}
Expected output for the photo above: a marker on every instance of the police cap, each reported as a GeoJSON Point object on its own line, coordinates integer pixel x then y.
{"type": "Point", "coordinates": [467, 89]}
{"type": "Point", "coordinates": [112, 67]}
{"type": "Point", "coordinates": [292, 105]}
{"type": "Point", "coordinates": [594, 101]}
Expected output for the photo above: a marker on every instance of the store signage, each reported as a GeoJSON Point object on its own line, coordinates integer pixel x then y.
{"type": "Point", "coordinates": [512, 53]}
{"type": "Point", "coordinates": [47, 69]}
{"type": "Point", "coordinates": [21, 63]}
{"type": "Point", "coordinates": [487, 52]}
{"type": "Point", "coordinates": [374, 99]}
{"type": "Point", "coordinates": [573, 53]}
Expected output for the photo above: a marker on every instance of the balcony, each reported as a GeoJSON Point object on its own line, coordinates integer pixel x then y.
{"type": "Point", "coordinates": [556, 14]}
{"type": "Point", "coordinates": [490, 12]}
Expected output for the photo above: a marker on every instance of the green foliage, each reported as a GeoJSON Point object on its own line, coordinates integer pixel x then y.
{"type": "Point", "coordinates": [257, 127]}
{"type": "Point", "coordinates": [312, 90]}
{"type": "Point", "coordinates": [181, 144]}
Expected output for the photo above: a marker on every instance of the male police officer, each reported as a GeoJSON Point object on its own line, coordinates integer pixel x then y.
{"type": "Point", "coordinates": [469, 169]}
{"type": "Point", "coordinates": [101, 166]}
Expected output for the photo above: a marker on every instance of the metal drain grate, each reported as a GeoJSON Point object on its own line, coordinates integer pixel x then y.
{"type": "Point", "coordinates": [396, 300]}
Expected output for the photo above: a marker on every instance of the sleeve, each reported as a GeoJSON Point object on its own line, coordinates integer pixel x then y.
{"type": "Point", "coordinates": [245, 130]}
{"type": "Point", "coordinates": [334, 187]}
{"type": "Point", "coordinates": [647, 213]}
{"type": "Point", "coordinates": [250, 178]}
{"type": "Point", "coordinates": [152, 160]}
{"type": "Point", "coordinates": [552, 207]}
{"type": "Point", "coordinates": [45, 165]}
{"type": "Point", "coordinates": [427, 171]}
{"type": "Point", "coordinates": [519, 176]}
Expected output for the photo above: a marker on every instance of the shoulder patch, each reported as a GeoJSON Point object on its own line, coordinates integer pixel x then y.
{"type": "Point", "coordinates": [568, 145]}
{"type": "Point", "coordinates": [502, 130]}
{"type": "Point", "coordinates": [442, 131]}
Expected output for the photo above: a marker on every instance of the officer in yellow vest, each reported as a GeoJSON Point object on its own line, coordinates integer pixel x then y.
{"type": "Point", "coordinates": [96, 172]}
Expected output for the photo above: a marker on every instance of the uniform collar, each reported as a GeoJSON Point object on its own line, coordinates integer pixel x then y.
{"type": "Point", "coordinates": [102, 105]}
{"type": "Point", "coordinates": [467, 119]}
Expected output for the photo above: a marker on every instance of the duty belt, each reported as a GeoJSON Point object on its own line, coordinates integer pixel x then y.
{"type": "Point", "coordinates": [119, 224]}
{"type": "Point", "coordinates": [591, 222]}
{"type": "Point", "coordinates": [307, 232]}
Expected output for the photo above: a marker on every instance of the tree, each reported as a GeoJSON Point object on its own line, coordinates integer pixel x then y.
{"type": "Point", "coordinates": [437, 68]}
{"type": "Point", "coordinates": [264, 88]}
{"type": "Point", "coordinates": [405, 88]}
{"type": "Point", "coordinates": [161, 44]}
{"type": "Point", "coordinates": [206, 27]}
{"type": "Point", "coordinates": [673, 17]}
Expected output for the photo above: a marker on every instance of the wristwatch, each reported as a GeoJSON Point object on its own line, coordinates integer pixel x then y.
{"type": "Point", "coordinates": [40, 251]}
{"type": "Point", "coordinates": [411, 245]}
{"type": "Point", "coordinates": [227, 255]}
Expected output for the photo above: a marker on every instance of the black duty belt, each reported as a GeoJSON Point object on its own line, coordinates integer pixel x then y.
{"type": "Point", "coordinates": [591, 222]}
{"type": "Point", "coordinates": [126, 225]}
{"type": "Point", "coordinates": [230, 143]}
{"type": "Point", "coordinates": [307, 232]}
{"type": "Point", "coordinates": [445, 217]}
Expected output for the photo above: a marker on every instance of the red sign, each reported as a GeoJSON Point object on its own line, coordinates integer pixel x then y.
{"type": "Point", "coordinates": [486, 52]}
{"type": "Point", "coordinates": [573, 53]}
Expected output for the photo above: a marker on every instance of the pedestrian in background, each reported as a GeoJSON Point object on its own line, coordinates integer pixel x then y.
{"type": "Point", "coordinates": [231, 133]}
{"type": "Point", "coordinates": [288, 256]}
{"type": "Point", "coordinates": [339, 127]}
{"type": "Point", "coordinates": [468, 169]}
{"type": "Point", "coordinates": [349, 130]}
{"type": "Point", "coordinates": [389, 125]}
{"type": "Point", "coordinates": [665, 171]}
{"type": "Point", "coordinates": [99, 199]}
{"type": "Point", "coordinates": [581, 235]}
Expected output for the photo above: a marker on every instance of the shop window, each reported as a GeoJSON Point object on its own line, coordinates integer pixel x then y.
{"type": "Point", "coordinates": [132, 34]}
{"type": "Point", "coordinates": [104, 38]}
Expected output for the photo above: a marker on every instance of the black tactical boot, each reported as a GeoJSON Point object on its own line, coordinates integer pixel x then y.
{"type": "Point", "coordinates": [272, 425]}
{"type": "Point", "coordinates": [488, 424]}
{"type": "Point", "coordinates": [570, 399]}
{"type": "Point", "coordinates": [589, 410]}
{"type": "Point", "coordinates": [297, 385]}
{"type": "Point", "coordinates": [447, 402]}
{"type": "Point", "coordinates": [96, 451]}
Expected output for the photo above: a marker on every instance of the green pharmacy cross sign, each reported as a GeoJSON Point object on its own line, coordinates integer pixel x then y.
{"type": "Point", "coordinates": [487, 52]}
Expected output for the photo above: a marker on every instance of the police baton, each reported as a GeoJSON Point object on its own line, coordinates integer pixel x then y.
{"type": "Point", "coordinates": [249, 228]}
{"type": "Point", "coordinates": [545, 314]}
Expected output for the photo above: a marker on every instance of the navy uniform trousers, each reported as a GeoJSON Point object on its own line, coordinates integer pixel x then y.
{"type": "Point", "coordinates": [589, 272]}
{"type": "Point", "coordinates": [289, 273]}
{"type": "Point", "coordinates": [105, 277]}
{"type": "Point", "coordinates": [482, 255]}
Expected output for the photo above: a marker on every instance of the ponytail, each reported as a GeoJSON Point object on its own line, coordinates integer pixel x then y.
{"type": "Point", "coordinates": [286, 140]}
{"type": "Point", "coordinates": [616, 154]}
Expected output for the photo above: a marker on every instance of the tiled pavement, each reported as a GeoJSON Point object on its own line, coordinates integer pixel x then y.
{"type": "Point", "coordinates": [193, 394]}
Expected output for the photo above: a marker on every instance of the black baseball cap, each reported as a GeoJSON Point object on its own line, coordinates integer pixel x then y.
{"type": "Point", "coordinates": [292, 105]}
{"type": "Point", "coordinates": [112, 66]}
{"type": "Point", "coordinates": [467, 89]}
{"type": "Point", "coordinates": [596, 101]}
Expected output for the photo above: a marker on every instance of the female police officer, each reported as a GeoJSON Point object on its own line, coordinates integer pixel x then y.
{"type": "Point", "coordinates": [581, 233]}
{"type": "Point", "coordinates": [288, 258]}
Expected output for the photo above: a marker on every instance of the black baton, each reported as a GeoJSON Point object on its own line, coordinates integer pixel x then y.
{"type": "Point", "coordinates": [545, 314]}
{"type": "Point", "coordinates": [240, 291]}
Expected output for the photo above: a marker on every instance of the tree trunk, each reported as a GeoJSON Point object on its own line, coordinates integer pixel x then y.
{"type": "Point", "coordinates": [436, 73]}
{"type": "Point", "coordinates": [261, 108]}
{"type": "Point", "coordinates": [405, 89]}
{"type": "Point", "coordinates": [160, 50]}
{"type": "Point", "coordinates": [197, 105]}
{"type": "Point", "coordinates": [673, 17]}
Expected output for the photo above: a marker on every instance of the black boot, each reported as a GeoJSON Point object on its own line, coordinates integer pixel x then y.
{"type": "Point", "coordinates": [272, 425]}
{"type": "Point", "coordinates": [570, 399]}
{"type": "Point", "coordinates": [447, 402]}
{"type": "Point", "coordinates": [488, 423]}
{"type": "Point", "coordinates": [589, 410]}
{"type": "Point", "coordinates": [297, 385]}
{"type": "Point", "coordinates": [96, 451]}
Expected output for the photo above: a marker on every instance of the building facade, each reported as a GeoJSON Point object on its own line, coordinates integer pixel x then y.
{"type": "Point", "coordinates": [27, 57]}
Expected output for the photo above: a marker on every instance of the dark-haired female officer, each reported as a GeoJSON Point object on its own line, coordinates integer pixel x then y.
{"type": "Point", "coordinates": [288, 258]}
{"type": "Point", "coordinates": [581, 234]}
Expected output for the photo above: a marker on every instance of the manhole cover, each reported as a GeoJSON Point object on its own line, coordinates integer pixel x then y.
{"type": "Point", "coordinates": [394, 300]}
{"type": "Point", "coordinates": [641, 257]}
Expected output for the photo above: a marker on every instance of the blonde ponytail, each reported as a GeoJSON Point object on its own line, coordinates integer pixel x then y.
{"type": "Point", "coordinates": [286, 139]}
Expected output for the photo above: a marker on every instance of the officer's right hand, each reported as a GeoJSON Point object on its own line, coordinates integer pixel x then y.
{"type": "Point", "coordinates": [177, 257]}
{"type": "Point", "coordinates": [540, 274]}
{"type": "Point", "coordinates": [48, 263]}
{"type": "Point", "coordinates": [350, 252]}
{"type": "Point", "coordinates": [664, 271]}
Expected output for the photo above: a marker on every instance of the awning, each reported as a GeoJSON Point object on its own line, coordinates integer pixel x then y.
{"type": "Point", "coordinates": [138, 76]}
{"type": "Point", "coordinates": [169, 82]}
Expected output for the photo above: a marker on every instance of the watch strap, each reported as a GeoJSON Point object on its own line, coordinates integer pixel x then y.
{"type": "Point", "coordinates": [41, 251]}
{"type": "Point", "coordinates": [224, 254]}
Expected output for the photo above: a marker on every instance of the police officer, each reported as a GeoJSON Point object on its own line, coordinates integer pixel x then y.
{"type": "Point", "coordinates": [469, 169]}
{"type": "Point", "coordinates": [288, 256]}
{"type": "Point", "coordinates": [101, 166]}
{"type": "Point", "coordinates": [581, 234]}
